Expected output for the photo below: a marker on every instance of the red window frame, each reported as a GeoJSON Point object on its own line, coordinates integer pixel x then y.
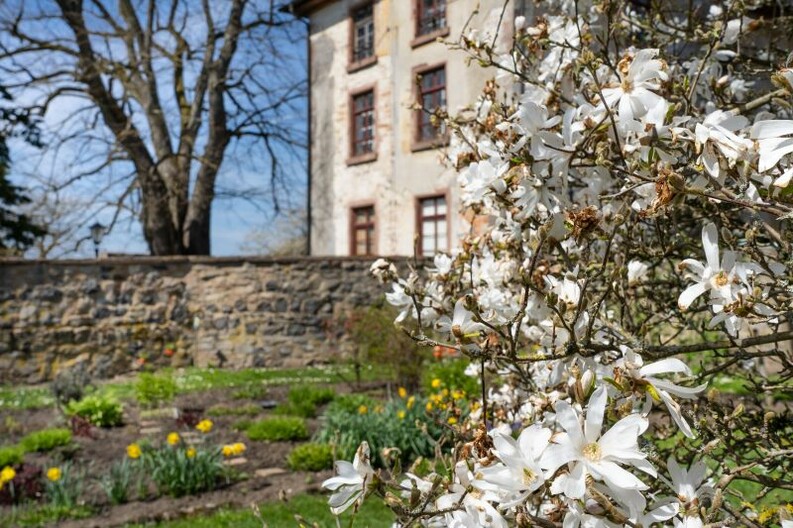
{"type": "Point", "coordinates": [362, 120]}
{"type": "Point", "coordinates": [362, 37]}
{"type": "Point", "coordinates": [432, 95]}
{"type": "Point", "coordinates": [362, 223]}
{"type": "Point", "coordinates": [430, 16]}
{"type": "Point", "coordinates": [440, 239]}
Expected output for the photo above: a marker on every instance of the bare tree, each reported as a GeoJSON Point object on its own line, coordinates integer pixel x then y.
{"type": "Point", "coordinates": [166, 86]}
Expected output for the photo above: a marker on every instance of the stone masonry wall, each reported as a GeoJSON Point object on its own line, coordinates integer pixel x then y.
{"type": "Point", "coordinates": [116, 314]}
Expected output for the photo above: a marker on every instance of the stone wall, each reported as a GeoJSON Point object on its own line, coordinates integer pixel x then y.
{"type": "Point", "coordinates": [116, 314]}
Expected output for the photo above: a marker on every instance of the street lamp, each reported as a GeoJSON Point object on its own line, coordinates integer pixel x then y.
{"type": "Point", "coordinates": [97, 232]}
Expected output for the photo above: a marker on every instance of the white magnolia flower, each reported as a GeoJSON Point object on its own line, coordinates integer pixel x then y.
{"type": "Point", "coordinates": [635, 95]}
{"type": "Point", "coordinates": [462, 325]}
{"type": "Point", "coordinates": [519, 474]}
{"type": "Point", "coordinates": [568, 290]}
{"type": "Point", "coordinates": [400, 299]}
{"type": "Point", "coordinates": [472, 506]}
{"type": "Point", "coordinates": [637, 271]}
{"type": "Point", "coordinates": [350, 481]}
{"type": "Point", "coordinates": [716, 136]}
{"type": "Point", "coordinates": [383, 270]}
{"type": "Point", "coordinates": [645, 376]}
{"type": "Point", "coordinates": [690, 486]}
{"type": "Point", "coordinates": [587, 452]}
{"type": "Point", "coordinates": [774, 140]}
{"type": "Point", "coordinates": [718, 278]}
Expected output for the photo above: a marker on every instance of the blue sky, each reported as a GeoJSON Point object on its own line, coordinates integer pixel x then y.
{"type": "Point", "coordinates": [244, 202]}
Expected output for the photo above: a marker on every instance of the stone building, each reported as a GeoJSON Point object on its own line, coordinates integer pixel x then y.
{"type": "Point", "coordinates": [377, 184]}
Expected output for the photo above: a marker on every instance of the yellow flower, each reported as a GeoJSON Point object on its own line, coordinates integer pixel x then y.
{"type": "Point", "coordinates": [227, 450]}
{"type": "Point", "coordinates": [379, 409]}
{"type": "Point", "coordinates": [436, 383]}
{"type": "Point", "coordinates": [204, 426]}
{"type": "Point", "coordinates": [452, 420]}
{"type": "Point", "coordinates": [173, 439]}
{"type": "Point", "coordinates": [133, 451]}
{"type": "Point", "coordinates": [411, 401]}
{"type": "Point", "coordinates": [403, 392]}
{"type": "Point", "coordinates": [54, 474]}
{"type": "Point", "coordinates": [238, 448]}
{"type": "Point", "coordinates": [7, 475]}
{"type": "Point", "coordinates": [363, 409]}
{"type": "Point", "coordinates": [401, 415]}
{"type": "Point", "coordinates": [190, 453]}
{"type": "Point", "coordinates": [429, 406]}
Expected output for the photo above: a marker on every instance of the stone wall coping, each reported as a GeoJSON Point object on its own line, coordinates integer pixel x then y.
{"type": "Point", "coordinates": [182, 259]}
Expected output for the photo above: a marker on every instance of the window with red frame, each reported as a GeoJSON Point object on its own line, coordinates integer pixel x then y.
{"type": "Point", "coordinates": [363, 33]}
{"type": "Point", "coordinates": [363, 123]}
{"type": "Point", "coordinates": [432, 95]}
{"type": "Point", "coordinates": [431, 16]}
{"type": "Point", "coordinates": [433, 225]}
{"type": "Point", "coordinates": [363, 230]}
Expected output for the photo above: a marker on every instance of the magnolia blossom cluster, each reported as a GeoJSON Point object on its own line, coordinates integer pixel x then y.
{"type": "Point", "coordinates": [607, 176]}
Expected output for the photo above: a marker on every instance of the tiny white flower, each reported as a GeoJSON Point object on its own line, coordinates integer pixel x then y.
{"type": "Point", "coordinates": [637, 271]}
{"type": "Point", "coordinates": [462, 325]}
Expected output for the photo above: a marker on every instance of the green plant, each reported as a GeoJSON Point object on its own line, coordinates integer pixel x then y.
{"type": "Point", "coordinates": [152, 390]}
{"type": "Point", "coordinates": [381, 343]}
{"type": "Point", "coordinates": [278, 428]}
{"type": "Point", "coordinates": [45, 440]}
{"type": "Point", "coordinates": [117, 482]}
{"type": "Point", "coordinates": [63, 486]}
{"type": "Point", "coordinates": [451, 375]}
{"type": "Point", "coordinates": [250, 409]}
{"type": "Point", "coordinates": [310, 457]}
{"type": "Point", "coordinates": [304, 400]}
{"type": "Point", "coordinates": [402, 424]}
{"type": "Point", "coordinates": [242, 425]}
{"type": "Point", "coordinates": [250, 391]}
{"type": "Point", "coordinates": [102, 411]}
{"type": "Point", "coordinates": [11, 455]}
{"type": "Point", "coordinates": [180, 471]}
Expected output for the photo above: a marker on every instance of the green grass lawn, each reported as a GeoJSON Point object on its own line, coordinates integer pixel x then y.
{"type": "Point", "coordinates": [313, 508]}
{"type": "Point", "coordinates": [193, 379]}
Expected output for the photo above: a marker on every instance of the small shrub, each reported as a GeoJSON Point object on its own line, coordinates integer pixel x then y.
{"type": "Point", "coordinates": [303, 401]}
{"type": "Point", "coordinates": [71, 384]}
{"type": "Point", "coordinates": [45, 440]}
{"type": "Point", "coordinates": [11, 455]}
{"type": "Point", "coordinates": [310, 457]}
{"type": "Point", "coordinates": [250, 409]}
{"type": "Point", "coordinates": [373, 330]}
{"type": "Point", "coordinates": [250, 391]}
{"type": "Point", "coordinates": [101, 411]}
{"type": "Point", "coordinates": [153, 390]}
{"type": "Point", "coordinates": [180, 471]}
{"type": "Point", "coordinates": [242, 425]}
{"type": "Point", "coordinates": [278, 428]}
{"type": "Point", "coordinates": [117, 482]}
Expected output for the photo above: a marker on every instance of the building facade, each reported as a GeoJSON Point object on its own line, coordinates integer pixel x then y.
{"type": "Point", "coordinates": [377, 184]}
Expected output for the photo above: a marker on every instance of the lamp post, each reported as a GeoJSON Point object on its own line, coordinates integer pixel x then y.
{"type": "Point", "coordinates": [97, 233]}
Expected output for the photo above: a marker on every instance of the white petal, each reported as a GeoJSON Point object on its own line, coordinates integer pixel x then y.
{"type": "Point", "coordinates": [690, 294]}
{"type": "Point", "coordinates": [616, 477]}
{"type": "Point", "coordinates": [674, 412]}
{"type": "Point", "coordinates": [574, 485]}
{"type": "Point", "coordinates": [771, 129]}
{"type": "Point", "coordinates": [710, 243]}
{"type": "Point", "coordinates": [664, 365]}
{"type": "Point", "coordinates": [594, 414]}
{"type": "Point", "coordinates": [568, 419]}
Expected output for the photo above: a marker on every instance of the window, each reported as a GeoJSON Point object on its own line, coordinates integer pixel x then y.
{"type": "Point", "coordinates": [363, 33]}
{"type": "Point", "coordinates": [433, 233]}
{"type": "Point", "coordinates": [432, 95]}
{"type": "Point", "coordinates": [431, 16]}
{"type": "Point", "coordinates": [363, 231]}
{"type": "Point", "coordinates": [363, 123]}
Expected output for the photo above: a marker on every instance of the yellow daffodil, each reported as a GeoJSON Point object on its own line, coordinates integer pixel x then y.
{"type": "Point", "coordinates": [204, 426]}
{"type": "Point", "coordinates": [54, 474]}
{"type": "Point", "coordinates": [363, 409]}
{"type": "Point", "coordinates": [429, 406]}
{"type": "Point", "coordinates": [133, 451]}
{"type": "Point", "coordinates": [436, 383]}
{"type": "Point", "coordinates": [452, 420]}
{"type": "Point", "coordinates": [238, 448]}
{"type": "Point", "coordinates": [173, 439]}
{"type": "Point", "coordinates": [403, 393]}
{"type": "Point", "coordinates": [7, 475]}
{"type": "Point", "coordinates": [411, 401]}
{"type": "Point", "coordinates": [401, 415]}
{"type": "Point", "coordinates": [227, 450]}
{"type": "Point", "coordinates": [191, 452]}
